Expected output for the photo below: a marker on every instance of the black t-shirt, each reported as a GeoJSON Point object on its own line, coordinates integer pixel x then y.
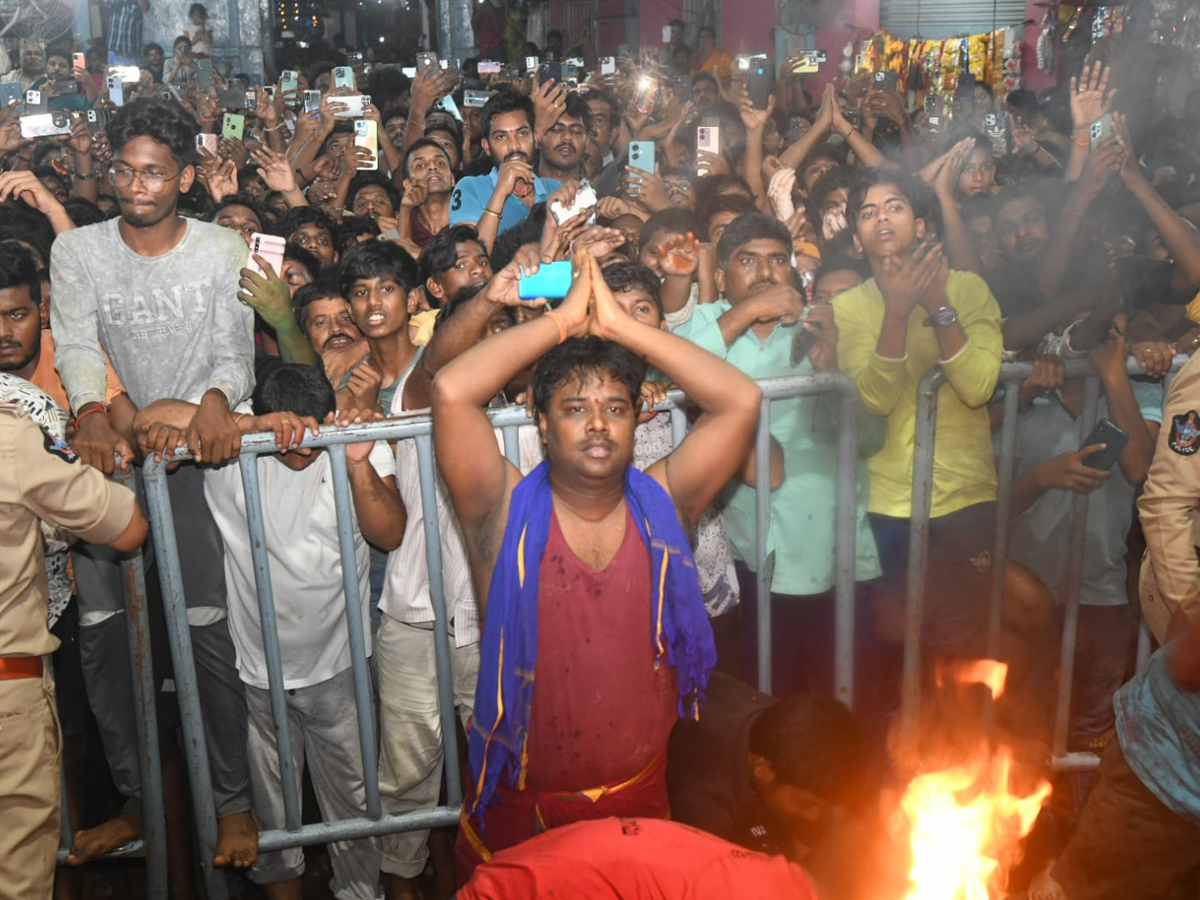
{"type": "Point", "coordinates": [708, 782]}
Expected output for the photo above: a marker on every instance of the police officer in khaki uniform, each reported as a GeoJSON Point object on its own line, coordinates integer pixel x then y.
{"type": "Point", "coordinates": [1170, 579]}
{"type": "Point", "coordinates": [40, 479]}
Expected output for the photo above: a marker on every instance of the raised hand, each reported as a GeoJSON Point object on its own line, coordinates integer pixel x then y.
{"type": "Point", "coordinates": [754, 119]}
{"type": "Point", "coordinates": [820, 323]}
{"type": "Point", "coordinates": [268, 295]}
{"type": "Point", "coordinates": [1048, 375]}
{"type": "Point", "coordinates": [597, 240]}
{"type": "Point", "coordinates": [947, 177]}
{"type": "Point", "coordinates": [905, 282]}
{"type": "Point", "coordinates": [274, 169]}
{"type": "Point", "coordinates": [680, 255]}
{"type": "Point", "coordinates": [779, 192]}
{"type": "Point", "coordinates": [1090, 97]}
{"type": "Point", "coordinates": [364, 384]}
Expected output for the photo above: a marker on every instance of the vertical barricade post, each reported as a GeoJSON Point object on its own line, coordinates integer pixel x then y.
{"type": "Point", "coordinates": [1070, 630]}
{"type": "Point", "coordinates": [762, 577]}
{"type": "Point", "coordinates": [145, 712]}
{"type": "Point", "coordinates": [1011, 377]}
{"type": "Point", "coordinates": [512, 444]}
{"type": "Point", "coordinates": [441, 631]}
{"type": "Point", "coordinates": [355, 626]}
{"type": "Point", "coordinates": [180, 639]}
{"type": "Point", "coordinates": [248, 463]}
{"type": "Point", "coordinates": [918, 556]}
{"type": "Point", "coordinates": [845, 547]}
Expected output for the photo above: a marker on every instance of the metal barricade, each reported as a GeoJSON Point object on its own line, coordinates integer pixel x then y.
{"type": "Point", "coordinates": [1011, 376]}
{"type": "Point", "coordinates": [507, 421]}
{"type": "Point", "coordinates": [153, 844]}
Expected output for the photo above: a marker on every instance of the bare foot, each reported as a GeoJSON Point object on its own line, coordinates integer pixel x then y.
{"type": "Point", "coordinates": [1044, 887]}
{"type": "Point", "coordinates": [93, 842]}
{"type": "Point", "coordinates": [237, 841]}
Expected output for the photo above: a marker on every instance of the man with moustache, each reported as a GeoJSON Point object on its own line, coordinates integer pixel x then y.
{"type": "Point", "coordinates": [428, 182]}
{"type": "Point", "coordinates": [501, 199]}
{"type": "Point", "coordinates": [562, 145]}
{"type": "Point", "coordinates": [324, 315]}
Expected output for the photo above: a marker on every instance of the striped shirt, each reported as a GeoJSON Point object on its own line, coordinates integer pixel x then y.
{"type": "Point", "coordinates": [125, 29]}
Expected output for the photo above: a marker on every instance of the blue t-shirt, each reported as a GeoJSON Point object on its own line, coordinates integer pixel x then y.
{"type": "Point", "coordinates": [1041, 535]}
{"type": "Point", "coordinates": [471, 196]}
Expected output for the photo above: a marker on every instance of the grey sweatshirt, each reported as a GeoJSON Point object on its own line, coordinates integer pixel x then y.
{"type": "Point", "coordinates": [172, 325]}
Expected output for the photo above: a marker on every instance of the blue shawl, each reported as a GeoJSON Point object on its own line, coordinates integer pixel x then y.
{"type": "Point", "coordinates": [679, 626]}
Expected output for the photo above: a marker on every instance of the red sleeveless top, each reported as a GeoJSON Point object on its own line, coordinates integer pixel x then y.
{"type": "Point", "coordinates": [601, 711]}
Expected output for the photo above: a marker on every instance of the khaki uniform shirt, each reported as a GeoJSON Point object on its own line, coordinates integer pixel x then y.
{"type": "Point", "coordinates": [40, 478]}
{"type": "Point", "coordinates": [1169, 507]}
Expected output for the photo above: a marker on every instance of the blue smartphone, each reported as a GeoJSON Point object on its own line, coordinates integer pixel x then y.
{"type": "Point", "coordinates": [641, 155]}
{"type": "Point", "coordinates": [551, 281]}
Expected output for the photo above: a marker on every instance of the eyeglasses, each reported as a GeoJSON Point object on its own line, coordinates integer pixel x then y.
{"type": "Point", "coordinates": [153, 182]}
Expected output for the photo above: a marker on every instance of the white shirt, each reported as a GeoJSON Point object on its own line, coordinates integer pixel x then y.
{"type": "Point", "coordinates": [406, 580]}
{"type": "Point", "coordinates": [300, 520]}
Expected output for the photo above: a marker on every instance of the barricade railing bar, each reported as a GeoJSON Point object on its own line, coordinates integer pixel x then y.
{"type": "Point", "coordinates": [1011, 376]}
{"type": "Point", "coordinates": [508, 422]}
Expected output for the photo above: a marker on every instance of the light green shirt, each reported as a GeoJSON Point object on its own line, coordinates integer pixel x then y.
{"type": "Point", "coordinates": [802, 509]}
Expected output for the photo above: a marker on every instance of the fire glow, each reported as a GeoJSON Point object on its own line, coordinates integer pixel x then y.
{"type": "Point", "coordinates": [964, 824]}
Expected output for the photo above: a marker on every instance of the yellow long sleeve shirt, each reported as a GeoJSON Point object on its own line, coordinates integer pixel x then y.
{"type": "Point", "coordinates": [964, 471]}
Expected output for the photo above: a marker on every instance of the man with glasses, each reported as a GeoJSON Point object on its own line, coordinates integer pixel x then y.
{"type": "Point", "coordinates": [157, 294]}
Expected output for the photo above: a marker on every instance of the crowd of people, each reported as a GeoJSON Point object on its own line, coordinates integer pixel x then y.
{"type": "Point", "coordinates": [187, 259]}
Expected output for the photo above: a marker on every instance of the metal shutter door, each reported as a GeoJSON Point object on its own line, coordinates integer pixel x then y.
{"type": "Point", "coordinates": [939, 19]}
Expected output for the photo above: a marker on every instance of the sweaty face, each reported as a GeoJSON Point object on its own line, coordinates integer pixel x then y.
{"type": "Point", "coordinates": [562, 146]}
{"type": "Point", "coordinates": [511, 138]}
{"type": "Point", "coordinates": [380, 306]}
{"type": "Point", "coordinates": [1022, 229]}
{"type": "Point", "coordinates": [472, 267]}
{"type": "Point", "coordinates": [446, 141]}
{"type": "Point", "coordinates": [756, 266]}
{"type": "Point", "coordinates": [241, 219]}
{"type": "Point", "coordinates": [679, 191]}
{"type": "Point", "coordinates": [20, 329]}
{"type": "Point", "coordinates": [316, 240]}
{"type": "Point", "coordinates": [431, 167]}
{"type": "Point", "coordinates": [978, 174]}
{"type": "Point", "coordinates": [395, 128]}
{"type": "Point", "coordinates": [604, 125]}
{"type": "Point", "coordinates": [373, 201]}
{"type": "Point", "coordinates": [886, 222]}
{"type": "Point", "coordinates": [588, 427]}
{"type": "Point", "coordinates": [833, 283]}
{"type": "Point", "coordinates": [330, 324]}
{"type": "Point", "coordinates": [141, 207]}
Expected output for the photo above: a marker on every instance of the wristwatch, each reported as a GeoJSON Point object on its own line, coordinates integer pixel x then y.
{"type": "Point", "coordinates": [943, 317]}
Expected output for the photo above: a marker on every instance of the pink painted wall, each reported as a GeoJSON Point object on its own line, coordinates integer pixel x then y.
{"type": "Point", "coordinates": [856, 21]}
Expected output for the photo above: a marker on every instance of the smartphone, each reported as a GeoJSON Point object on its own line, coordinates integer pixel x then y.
{"type": "Point", "coordinates": [510, 74]}
{"type": "Point", "coordinates": [742, 62]}
{"type": "Point", "coordinates": [1105, 432]}
{"type": "Point", "coordinates": [312, 101]}
{"type": "Point", "coordinates": [426, 61]}
{"type": "Point", "coordinates": [550, 71]}
{"type": "Point", "coordinates": [34, 102]}
{"type": "Point", "coordinates": [608, 65]}
{"type": "Point", "coordinates": [269, 90]}
{"type": "Point", "coordinates": [931, 104]}
{"type": "Point", "coordinates": [641, 155]}
{"type": "Point", "coordinates": [65, 88]}
{"type": "Point", "coordinates": [1101, 130]}
{"type": "Point", "coordinates": [97, 120]}
{"type": "Point", "coordinates": [570, 74]}
{"type": "Point", "coordinates": [116, 90]}
{"type": "Point", "coordinates": [885, 81]}
{"type": "Point", "coordinates": [367, 135]}
{"type": "Point", "coordinates": [207, 141]}
{"type": "Point", "coordinates": [12, 95]}
{"type": "Point", "coordinates": [250, 98]}
{"type": "Point", "coordinates": [995, 125]}
{"type": "Point", "coordinates": [204, 73]}
{"type": "Point", "coordinates": [127, 74]}
{"type": "Point", "coordinates": [355, 104]}
{"type": "Point", "coordinates": [585, 198]}
{"type": "Point", "coordinates": [645, 93]}
{"type": "Point", "coordinates": [447, 104]}
{"type": "Point", "coordinates": [233, 126]}
{"type": "Point", "coordinates": [488, 67]}
{"type": "Point", "coordinates": [231, 98]}
{"type": "Point", "coordinates": [477, 99]}
{"type": "Point", "coordinates": [289, 81]}
{"type": "Point", "coordinates": [343, 77]}
{"type": "Point", "coordinates": [758, 85]}
{"type": "Point", "coordinates": [409, 72]}
{"type": "Point", "coordinates": [531, 63]}
{"type": "Point", "coordinates": [45, 125]}
{"type": "Point", "coordinates": [551, 281]}
{"type": "Point", "coordinates": [708, 140]}
{"type": "Point", "coordinates": [809, 62]}
{"type": "Point", "coordinates": [269, 247]}
{"type": "Point", "coordinates": [79, 61]}
{"type": "Point", "coordinates": [666, 34]}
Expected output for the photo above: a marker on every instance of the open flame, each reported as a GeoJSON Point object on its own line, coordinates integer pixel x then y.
{"type": "Point", "coordinates": [964, 823]}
